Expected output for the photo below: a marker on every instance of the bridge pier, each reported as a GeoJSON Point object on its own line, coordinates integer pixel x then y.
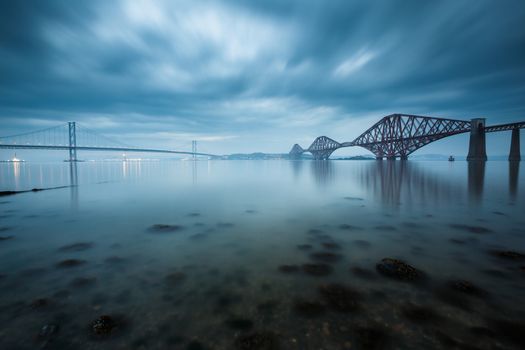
{"type": "Point", "coordinates": [379, 157]}
{"type": "Point", "coordinates": [72, 141]}
{"type": "Point", "coordinates": [514, 155]}
{"type": "Point", "coordinates": [477, 148]}
{"type": "Point", "coordinates": [403, 157]}
{"type": "Point", "coordinates": [391, 158]}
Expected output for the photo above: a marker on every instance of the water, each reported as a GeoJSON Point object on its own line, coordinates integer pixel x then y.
{"type": "Point", "coordinates": [233, 270]}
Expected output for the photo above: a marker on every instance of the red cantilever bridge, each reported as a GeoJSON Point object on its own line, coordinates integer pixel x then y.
{"type": "Point", "coordinates": [399, 135]}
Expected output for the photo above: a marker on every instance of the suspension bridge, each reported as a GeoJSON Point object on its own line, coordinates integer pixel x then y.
{"type": "Point", "coordinates": [73, 137]}
{"type": "Point", "coordinates": [399, 135]}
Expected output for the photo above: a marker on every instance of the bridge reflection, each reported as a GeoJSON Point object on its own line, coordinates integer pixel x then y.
{"type": "Point", "coordinates": [412, 183]}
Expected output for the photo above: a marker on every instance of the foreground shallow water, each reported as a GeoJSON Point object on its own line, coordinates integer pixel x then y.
{"type": "Point", "coordinates": [262, 255]}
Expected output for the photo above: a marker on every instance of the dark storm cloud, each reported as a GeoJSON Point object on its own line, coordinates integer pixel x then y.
{"type": "Point", "coordinates": [257, 74]}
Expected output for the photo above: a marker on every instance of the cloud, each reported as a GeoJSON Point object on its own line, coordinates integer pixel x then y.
{"type": "Point", "coordinates": [253, 75]}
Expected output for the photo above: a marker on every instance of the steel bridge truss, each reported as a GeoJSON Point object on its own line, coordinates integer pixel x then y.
{"type": "Point", "coordinates": [399, 135]}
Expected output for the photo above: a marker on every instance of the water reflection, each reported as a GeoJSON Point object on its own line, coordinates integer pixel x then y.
{"type": "Point", "coordinates": [323, 172]}
{"type": "Point", "coordinates": [514, 170]}
{"type": "Point", "coordinates": [476, 180]}
{"type": "Point", "coordinates": [397, 183]}
{"type": "Point", "coordinates": [73, 182]}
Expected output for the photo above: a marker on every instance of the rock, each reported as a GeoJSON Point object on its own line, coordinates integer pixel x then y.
{"type": "Point", "coordinates": [419, 314]}
{"type": "Point", "coordinates": [76, 247]}
{"type": "Point", "coordinates": [340, 298]}
{"type": "Point", "coordinates": [466, 287]}
{"type": "Point", "coordinates": [48, 331]}
{"type": "Point", "coordinates": [386, 228]}
{"type": "Point", "coordinates": [175, 278]}
{"type": "Point", "coordinates": [70, 263]}
{"type": "Point", "coordinates": [114, 259]}
{"type": "Point", "coordinates": [5, 238]}
{"type": "Point", "coordinates": [471, 229]}
{"type": "Point", "coordinates": [362, 243]}
{"type": "Point", "coordinates": [195, 345]}
{"type": "Point", "coordinates": [104, 325]}
{"type": "Point", "coordinates": [258, 341]}
{"type": "Point", "coordinates": [508, 254]}
{"type": "Point", "coordinates": [83, 282]}
{"type": "Point", "coordinates": [399, 270]}
{"type": "Point", "coordinates": [289, 268]}
{"type": "Point", "coordinates": [349, 227]}
{"type": "Point", "coordinates": [317, 269]}
{"type": "Point", "coordinates": [308, 309]}
{"type": "Point", "coordinates": [326, 257]}
{"type": "Point", "coordinates": [163, 228]}
{"type": "Point", "coordinates": [304, 246]}
{"type": "Point", "coordinates": [241, 324]}
{"type": "Point", "coordinates": [331, 245]}
{"type": "Point", "coordinates": [39, 303]}
{"type": "Point", "coordinates": [354, 198]}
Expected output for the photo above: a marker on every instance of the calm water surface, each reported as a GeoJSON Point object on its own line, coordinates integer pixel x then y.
{"type": "Point", "coordinates": [262, 255]}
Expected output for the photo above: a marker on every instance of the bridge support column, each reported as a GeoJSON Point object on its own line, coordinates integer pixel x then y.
{"type": "Point", "coordinates": [404, 157]}
{"type": "Point", "coordinates": [514, 155]}
{"type": "Point", "coordinates": [72, 142]}
{"type": "Point", "coordinates": [379, 157]}
{"type": "Point", "coordinates": [477, 149]}
{"type": "Point", "coordinates": [391, 158]}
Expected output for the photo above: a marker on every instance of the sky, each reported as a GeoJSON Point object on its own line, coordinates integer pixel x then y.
{"type": "Point", "coordinates": [246, 76]}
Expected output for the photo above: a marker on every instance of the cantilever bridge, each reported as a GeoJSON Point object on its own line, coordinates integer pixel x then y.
{"type": "Point", "coordinates": [74, 137]}
{"type": "Point", "coordinates": [399, 135]}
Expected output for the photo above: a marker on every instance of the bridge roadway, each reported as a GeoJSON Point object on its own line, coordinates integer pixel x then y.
{"type": "Point", "coordinates": [117, 149]}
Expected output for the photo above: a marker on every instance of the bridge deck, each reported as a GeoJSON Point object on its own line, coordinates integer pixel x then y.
{"type": "Point", "coordinates": [117, 149]}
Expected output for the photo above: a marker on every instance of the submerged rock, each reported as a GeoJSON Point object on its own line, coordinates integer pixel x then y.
{"type": "Point", "coordinates": [175, 278]}
{"type": "Point", "coordinates": [354, 198]}
{"type": "Point", "coordinates": [331, 245]}
{"type": "Point", "coordinates": [163, 228]}
{"type": "Point", "coordinates": [399, 270]}
{"type": "Point", "coordinates": [258, 341]}
{"type": "Point", "coordinates": [241, 324]}
{"type": "Point", "coordinates": [76, 247]}
{"type": "Point", "coordinates": [39, 303]}
{"type": "Point", "coordinates": [70, 263]}
{"type": "Point", "coordinates": [114, 259]}
{"type": "Point", "coordinates": [317, 269]}
{"type": "Point", "coordinates": [5, 238]}
{"type": "Point", "coordinates": [471, 229]}
{"type": "Point", "coordinates": [420, 314]}
{"type": "Point", "coordinates": [508, 254]}
{"type": "Point", "coordinates": [289, 268]}
{"type": "Point", "coordinates": [308, 309]}
{"type": "Point", "coordinates": [304, 246]}
{"type": "Point", "coordinates": [466, 287]}
{"type": "Point", "coordinates": [349, 227]}
{"type": "Point", "coordinates": [83, 282]}
{"type": "Point", "coordinates": [325, 257]}
{"type": "Point", "coordinates": [47, 331]}
{"type": "Point", "coordinates": [104, 325]}
{"type": "Point", "coordinates": [339, 297]}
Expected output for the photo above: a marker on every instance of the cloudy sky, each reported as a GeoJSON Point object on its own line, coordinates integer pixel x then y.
{"type": "Point", "coordinates": [243, 76]}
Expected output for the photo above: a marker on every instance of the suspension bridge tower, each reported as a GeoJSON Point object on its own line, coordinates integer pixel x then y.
{"type": "Point", "coordinates": [194, 149]}
{"type": "Point", "coordinates": [72, 141]}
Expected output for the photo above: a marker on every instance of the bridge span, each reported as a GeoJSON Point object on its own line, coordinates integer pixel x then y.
{"type": "Point", "coordinates": [72, 137]}
{"type": "Point", "coordinates": [399, 135]}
